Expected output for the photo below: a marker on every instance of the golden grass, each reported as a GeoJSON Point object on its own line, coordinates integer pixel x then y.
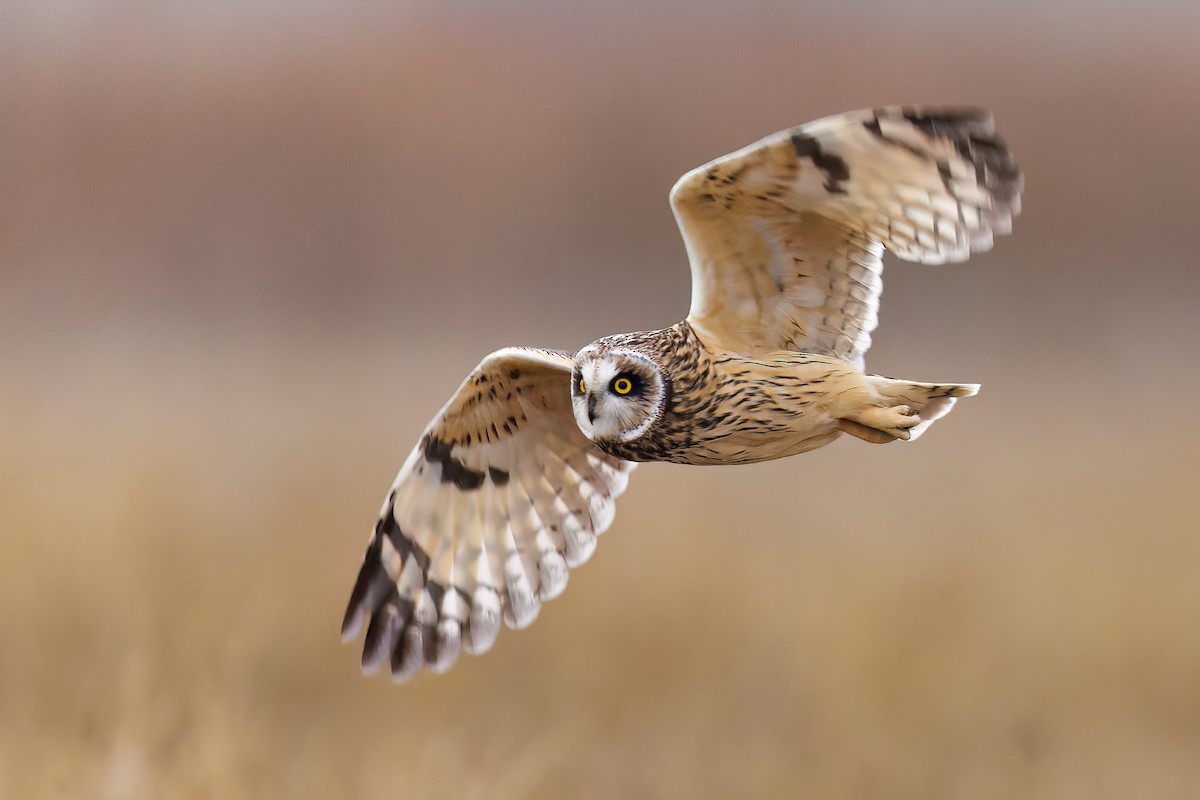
{"type": "Point", "coordinates": [994, 612]}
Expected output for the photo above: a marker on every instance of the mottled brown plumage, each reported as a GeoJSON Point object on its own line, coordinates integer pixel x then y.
{"type": "Point", "coordinates": [515, 478]}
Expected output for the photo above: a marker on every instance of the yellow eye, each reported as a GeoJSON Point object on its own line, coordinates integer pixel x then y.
{"type": "Point", "coordinates": [582, 389]}
{"type": "Point", "coordinates": [622, 386]}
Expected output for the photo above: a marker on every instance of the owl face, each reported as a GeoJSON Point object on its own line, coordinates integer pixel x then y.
{"type": "Point", "coordinates": [617, 394]}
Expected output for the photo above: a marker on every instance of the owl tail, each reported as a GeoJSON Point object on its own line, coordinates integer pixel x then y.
{"type": "Point", "coordinates": [930, 401]}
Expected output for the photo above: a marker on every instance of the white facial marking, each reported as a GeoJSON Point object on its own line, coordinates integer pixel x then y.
{"type": "Point", "coordinates": [600, 412]}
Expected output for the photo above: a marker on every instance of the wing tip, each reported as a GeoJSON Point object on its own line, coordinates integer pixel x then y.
{"type": "Point", "coordinates": [422, 610]}
{"type": "Point", "coordinates": [370, 587]}
{"type": "Point", "coordinates": [959, 139]}
{"type": "Point", "coordinates": [351, 625]}
{"type": "Point", "coordinates": [971, 129]}
{"type": "Point", "coordinates": [977, 118]}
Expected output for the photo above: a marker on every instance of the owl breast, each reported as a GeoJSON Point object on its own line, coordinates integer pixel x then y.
{"type": "Point", "coordinates": [726, 409]}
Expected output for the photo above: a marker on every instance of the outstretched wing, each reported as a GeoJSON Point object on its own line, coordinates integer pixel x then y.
{"type": "Point", "coordinates": [502, 494]}
{"type": "Point", "coordinates": [785, 236]}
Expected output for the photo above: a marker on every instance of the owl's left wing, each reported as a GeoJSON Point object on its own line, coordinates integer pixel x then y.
{"type": "Point", "coordinates": [785, 237]}
{"type": "Point", "coordinates": [502, 494]}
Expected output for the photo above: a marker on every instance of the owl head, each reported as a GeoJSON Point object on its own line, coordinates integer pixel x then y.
{"type": "Point", "coordinates": [617, 392]}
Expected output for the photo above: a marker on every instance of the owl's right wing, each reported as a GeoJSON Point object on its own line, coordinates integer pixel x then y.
{"type": "Point", "coordinates": [502, 494]}
{"type": "Point", "coordinates": [785, 237]}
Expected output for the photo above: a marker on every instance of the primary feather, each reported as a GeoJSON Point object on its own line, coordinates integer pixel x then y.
{"type": "Point", "coordinates": [785, 237]}
{"type": "Point", "coordinates": [502, 494]}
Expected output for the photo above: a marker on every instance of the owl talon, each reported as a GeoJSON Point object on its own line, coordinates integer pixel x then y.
{"type": "Point", "coordinates": [894, 421]}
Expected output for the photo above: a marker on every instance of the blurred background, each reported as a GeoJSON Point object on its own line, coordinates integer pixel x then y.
{"type": "Point", "coordinates": [247, 250]}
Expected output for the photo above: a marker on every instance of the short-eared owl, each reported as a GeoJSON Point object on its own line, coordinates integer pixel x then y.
{"type": "Point", "coordinates": [518, 474]}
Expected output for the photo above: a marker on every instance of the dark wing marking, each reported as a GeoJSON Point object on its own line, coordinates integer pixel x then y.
{"type": "Point", "coordinates": [502, 494]}
{"type": "Point", "coordinates": [785, 236]}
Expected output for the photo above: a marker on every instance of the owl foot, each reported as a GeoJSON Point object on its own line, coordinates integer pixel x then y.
{"type": "Point", "coordinates": [881, 424]}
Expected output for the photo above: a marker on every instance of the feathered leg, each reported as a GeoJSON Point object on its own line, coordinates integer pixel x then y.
{"type": "Point", "coordinates": [901, 409]}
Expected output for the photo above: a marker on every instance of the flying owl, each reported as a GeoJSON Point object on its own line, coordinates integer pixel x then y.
{"type": "Point", "coordinates": [515, 478]}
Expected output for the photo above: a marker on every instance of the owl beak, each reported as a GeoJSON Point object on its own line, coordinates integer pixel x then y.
{"type": "Point", "coordinates": [591, 408]}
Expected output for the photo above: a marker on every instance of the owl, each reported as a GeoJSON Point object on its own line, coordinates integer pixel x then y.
{"type": "Point", "coordinates": [515, 478]}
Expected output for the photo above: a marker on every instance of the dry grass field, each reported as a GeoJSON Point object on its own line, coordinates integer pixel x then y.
{"type": "Point", "coordinates": [244, 256]}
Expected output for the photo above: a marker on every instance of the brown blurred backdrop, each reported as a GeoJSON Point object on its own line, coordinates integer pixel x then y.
{"type": "Point", "coordinates": [246, 252]}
